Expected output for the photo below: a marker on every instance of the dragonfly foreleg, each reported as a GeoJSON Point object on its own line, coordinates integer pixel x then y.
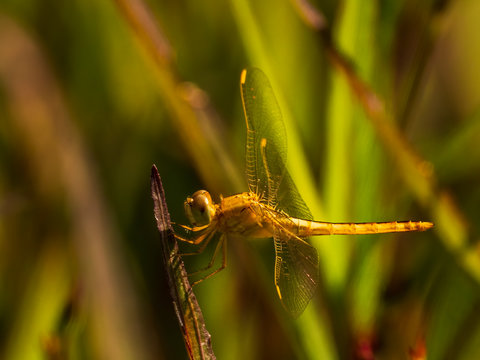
{"type": "Point", "coordinates": [222, 242]}
{"type": "Point", "coordinates": [193, 228]}
{"type": "Point", "coordinates": [204, 239]}
{"type": "Point", "coordinates": [197, 240]}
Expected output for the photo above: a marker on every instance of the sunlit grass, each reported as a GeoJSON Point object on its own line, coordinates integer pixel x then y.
{"type": "Point", "coordinates": [116, 76]}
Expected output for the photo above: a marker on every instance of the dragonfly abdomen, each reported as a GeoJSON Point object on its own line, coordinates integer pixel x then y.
{"type": "Point", "coordinates": [312, 228]}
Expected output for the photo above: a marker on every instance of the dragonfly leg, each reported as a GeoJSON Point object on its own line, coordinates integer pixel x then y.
{"type": "Point", "coordinates": [192, 228]}
{"type": "Point", "coordinates": [222, 242]}
{"type": "Point", "coordinates": [197, 240]}
{"type": "Point", "coordinates": [204, 239]}
{"type": "Point", "coordinates": [212, 261]}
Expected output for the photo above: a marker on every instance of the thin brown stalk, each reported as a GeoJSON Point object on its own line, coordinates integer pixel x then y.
{"type": "Point", "coordinates": [190, 318]}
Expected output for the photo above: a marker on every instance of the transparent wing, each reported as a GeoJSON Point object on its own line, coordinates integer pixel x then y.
{"type": "Point", "coordinates": [296, 271]}
{"type": "Point", "coordinates": [266, 174]}
{"type": "Point", "coordinates": [264, 121]}
{"type": "Point", "coordinates": [296, 262]}
{"type": "Point", "coordinates": [290, 201]}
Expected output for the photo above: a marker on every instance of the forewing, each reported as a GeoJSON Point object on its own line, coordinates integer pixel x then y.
{"type": "Point", "coordinates": [266, 175]}
{"type": "Point", "coordinates": [296, 271]}
{"type": "Point", "coordinates": [264, 121]}
{"type": "Point", "coordinates": [290, 201]}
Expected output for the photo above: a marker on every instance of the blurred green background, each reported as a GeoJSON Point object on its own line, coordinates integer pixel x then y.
{"type": "Point", "coordinates": [92, 93]}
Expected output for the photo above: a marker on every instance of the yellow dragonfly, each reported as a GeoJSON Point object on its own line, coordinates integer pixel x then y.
{"type": "Point", "coordinates": [272, 206]}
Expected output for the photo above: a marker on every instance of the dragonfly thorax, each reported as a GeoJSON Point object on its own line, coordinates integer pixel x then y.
{"type": "Point", "coordinates": [199, 208]}
{"type": "Point", "coordinates": [244, 215]}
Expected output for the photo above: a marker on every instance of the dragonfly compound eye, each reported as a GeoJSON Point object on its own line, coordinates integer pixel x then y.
{"type": "Point", "coordinates": [199, 208]}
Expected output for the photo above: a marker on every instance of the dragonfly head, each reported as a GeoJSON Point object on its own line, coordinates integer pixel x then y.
{"type": "Point", "coordinates": [199, 208]}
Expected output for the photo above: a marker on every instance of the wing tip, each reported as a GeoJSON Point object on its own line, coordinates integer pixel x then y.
{"type": "Point", "coordinates": [243, 76]}
{"type": "Point", "coordinates": [278, 291]}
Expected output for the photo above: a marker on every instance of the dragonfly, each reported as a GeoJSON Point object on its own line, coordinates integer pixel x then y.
{"type": "Point", "coordinates": [272, 207]}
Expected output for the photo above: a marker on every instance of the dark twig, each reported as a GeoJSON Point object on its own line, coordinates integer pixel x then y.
{"type": "Point", "coordinates": [197, 338]}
